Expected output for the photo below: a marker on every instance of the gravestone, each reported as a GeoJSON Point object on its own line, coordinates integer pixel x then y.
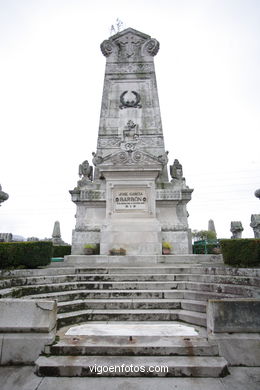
{"type": "Point", "coordinates": [129, 201]}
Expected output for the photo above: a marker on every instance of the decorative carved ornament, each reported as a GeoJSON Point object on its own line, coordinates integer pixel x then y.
{"type": "Point", "coordinates": [130, 156]}
{"type": "Point", "coordinates": [129, 68]}
{"type": "Point", "coordinates": [151, 47]}
{"type": "Point", "coordinates": [130, 45]}
{"type": "Point", "coordinates": [108, 47]}
{"type": "Point", "coordinates": [130, 103]}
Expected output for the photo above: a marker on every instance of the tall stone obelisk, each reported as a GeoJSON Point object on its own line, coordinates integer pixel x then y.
{"type": "Point", "coordinates": [129, 202]}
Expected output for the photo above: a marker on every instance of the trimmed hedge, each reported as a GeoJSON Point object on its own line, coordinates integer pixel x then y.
{"type": "Point", "coordinates": [241, 252]}
{"type": "Point", "coordinates": [61, 250]}
{"type": "Point", "coordinates": [26, 254]}
{"type": "Point", "coordinates": [206, 247]}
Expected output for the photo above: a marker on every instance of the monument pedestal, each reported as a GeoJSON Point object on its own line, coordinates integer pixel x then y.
{"type": "Point", "coordinates": [131, 221]}
{"type": "Point", "coordinates": [138, 237]}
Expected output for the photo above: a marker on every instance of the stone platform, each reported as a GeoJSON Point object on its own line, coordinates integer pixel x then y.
{"type": "Point", "coordinates": [141, 260]}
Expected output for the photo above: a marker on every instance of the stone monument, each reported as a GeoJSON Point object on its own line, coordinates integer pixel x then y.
{"type": "Point", "coordinates": [56, 235]}
{"type": "Point", "coordinates": [236, 229]}
{"type": "Point", "coordinates": [255, 224]}
{"type": "Point", "coordinates": [129, 201]}
{"type": "Point", "coordinates": [3, 195]}
{"type": "Point", "coordinates": [211, 226]}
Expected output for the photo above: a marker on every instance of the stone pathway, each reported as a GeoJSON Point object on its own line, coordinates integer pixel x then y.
{"type": "Point", "coordinates": [23, 378]}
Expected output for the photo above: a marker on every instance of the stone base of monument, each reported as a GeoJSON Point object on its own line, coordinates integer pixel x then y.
{"type": "Point", "coordinates": [88, 260]}
{"type": "Point", "coordinates": [140, 237]}
{"type": "Point", "coordinates": [26, 326]}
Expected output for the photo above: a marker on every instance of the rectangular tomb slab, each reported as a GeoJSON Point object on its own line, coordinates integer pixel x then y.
{"type": "Point", "coordinates": [134, 329]}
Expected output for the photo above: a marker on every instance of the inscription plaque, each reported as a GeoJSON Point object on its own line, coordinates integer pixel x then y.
{"type": "Point", "coordinates": [130, 200]}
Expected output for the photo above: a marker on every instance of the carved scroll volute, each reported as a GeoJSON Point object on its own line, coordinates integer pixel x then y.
{"type": "Point", "coordinates": [108, 47]}
{"type": "Point", "coordinates": [150, 47]}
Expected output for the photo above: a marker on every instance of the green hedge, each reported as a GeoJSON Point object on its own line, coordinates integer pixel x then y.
{"type": "Point", "coordinates": [26, 254]}
{"type": "Point", "coordinates": [241, 252]}
{"type": "Point", "coordinates": [204, 247]}
{"type": "Point", "coordinates": [61, 250]}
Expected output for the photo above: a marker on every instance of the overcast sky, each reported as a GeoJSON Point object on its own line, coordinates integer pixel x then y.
{"type": "Point", "coordinates": [51, 81]}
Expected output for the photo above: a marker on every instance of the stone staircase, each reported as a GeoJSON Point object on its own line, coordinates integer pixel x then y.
{"type": "Point", "coordinates": [147, 296]}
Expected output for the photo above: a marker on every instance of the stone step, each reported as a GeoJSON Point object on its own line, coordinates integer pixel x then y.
{"type": "Point", "coordinates": [225, 279]}
{"type": "Point", "coordinates": [79, 316]}
{"type": "Point", "coordinates": [148, 269]}
{"type": "Point", "coordinates": [80, 304]}
{"type": "Point", "coordinates": [172, 269]}
{"type": "Point", "coordinates": [117, 278]}
{"type": "Point", "coordinates": [176, 366]}
{"type": "Point", "coordinates": [245, 291]}
{"type": "Point", "coordinates": [62, 296]}
{"type": "Point", "coordinates": [133, 346]}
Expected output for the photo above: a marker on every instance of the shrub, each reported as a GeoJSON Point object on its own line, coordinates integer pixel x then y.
{"type": "Point", "coordinates": [90, 246]}
{"type": "Point", "coordinates": [61, 250]}
{"type": "Point", "coordinates": [27, 254]}
{"type": "Point", "coordinates": [241, 252]}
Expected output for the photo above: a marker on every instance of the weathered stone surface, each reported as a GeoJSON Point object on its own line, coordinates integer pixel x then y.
{"type": "Point", "coordinates": [239, 348]}
{"type": "Point", "coordinates": [23, 378]}
{"type": "Point", "coordinates": [26, 326]}
{"type": "Point", "coordinates": [26, 315]}
{"type": "Point", "coordinates": [24, 348]}
{"type": "Point", "coordinates": [236, 229]}
{"type": "Point", "coordinates": [233, 315]}
{"type": "Point", "coordinates": [56, 235]}
{"type": "Point", "coordinates": [198, 366]}
{"type": "Point", "coordinates": [130, 187]}
{"type": "Point", "coordinates": [255, 224]}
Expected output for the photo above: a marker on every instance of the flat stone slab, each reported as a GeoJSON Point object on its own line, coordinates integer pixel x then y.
{"type": "Point", "coordinates": [27, 315]}
{"type": "Point", "coordinates": [233, 315]}
{"type": "Point", "coordinates": [137, 329]}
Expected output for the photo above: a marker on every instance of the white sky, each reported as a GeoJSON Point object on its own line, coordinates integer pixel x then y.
{"type": "Point", "coordinates": [51, 81]}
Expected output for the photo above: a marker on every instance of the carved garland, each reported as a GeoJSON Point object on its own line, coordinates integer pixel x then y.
{"type": "Point", "coordinates": [130, 104]}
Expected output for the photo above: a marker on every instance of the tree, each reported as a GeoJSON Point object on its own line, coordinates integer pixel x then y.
{"type": "Point", "coordinates": [203, 235]}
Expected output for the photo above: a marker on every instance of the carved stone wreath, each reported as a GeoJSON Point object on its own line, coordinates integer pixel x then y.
{"type": "Point", "coordinates": [130, 104]}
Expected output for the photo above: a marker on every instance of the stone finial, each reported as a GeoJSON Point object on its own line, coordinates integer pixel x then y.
{"type": "Point", "coordinates": [3, 195]}
{"type": "Point", "coordinates": [255, 224]}
{"type": "Point", "coordinates": [257, 193]}
{"type": "Point", "coordinates": [211, 226]}
{"type": "Point", "coordinates": [236, 229]}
